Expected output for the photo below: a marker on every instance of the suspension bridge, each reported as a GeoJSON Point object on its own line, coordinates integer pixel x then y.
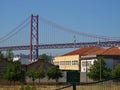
{"type": "Point", "coordinates": [36, 32]}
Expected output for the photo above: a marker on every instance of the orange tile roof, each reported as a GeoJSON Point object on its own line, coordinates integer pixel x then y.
{"type": "Point", "coordinates": [98, 52]}
{"type": "Point", "coordinates": [84, 51]}
{"type": "Point", "coordinates": [112, 51]}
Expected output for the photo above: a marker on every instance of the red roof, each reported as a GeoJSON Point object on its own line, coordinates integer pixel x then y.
{"type": "Point", "coordinates": [112, 51]}
{"type": "Point", "coordinates": [84, 51]}
{"type": "Point", "coordinates": [98, 52]}
{"type": "Point", "coordinates": [95, 50]}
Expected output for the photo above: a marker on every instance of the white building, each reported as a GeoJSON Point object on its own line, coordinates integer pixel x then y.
{"type": "Point", "coordinates": [16, 58]}
{"type": "Point", "coordinates": [110, 55]}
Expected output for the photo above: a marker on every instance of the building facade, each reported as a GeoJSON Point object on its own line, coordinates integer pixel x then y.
{"type": "Point", "coordinates": [82, 59]}
{"type": "Point", "coordinates": [70, 62]}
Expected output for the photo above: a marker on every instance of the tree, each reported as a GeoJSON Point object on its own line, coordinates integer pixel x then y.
{"type": "Point", "coordinates": [54, 73]}
{"type": "Point", "coordinates": [99, 71]}
{"type": "Point", "coordinates": [116, 71]}
{"type": "Point", "coordinates": [13, 72]}
{"type": "Point", "coordinates": [9, 55]}
{"type": "Point", "coordinates": [40, 74]}
{"type": "Point", "coordinates": [8, 75]}
{"type": "Point", "coordinates": [32, 74]}
{"type": "Point", "coordinates": [17, 71]}
{"type": "Point", "coordinates": [45, 57]}
{"type": "Point", "coordinates": [1, 55]}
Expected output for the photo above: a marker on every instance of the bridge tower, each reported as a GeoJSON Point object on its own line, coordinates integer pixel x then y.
{"type": "Point", "coordinates": [34, 38]}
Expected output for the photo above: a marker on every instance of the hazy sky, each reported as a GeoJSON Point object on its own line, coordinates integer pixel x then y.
{"type": "Point", "coordinates": [101, 17]}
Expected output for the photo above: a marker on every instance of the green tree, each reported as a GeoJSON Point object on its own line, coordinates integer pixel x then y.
{"type": "Point", "coordinates": [116, 71]}
{"type": "Point", "coordinates": [54, 73]}
{"type": "Point", "coordinates": [1, 55]}
{"type": "Point", "coordinates": [13, 72]}
{"type": "Point", "coordinates": [9, 55]}
{"type": "Point", "coordinates": [99, 71]}
{"type": "Point", "coordinates": [45, 57]}
{"type": "Point", "coordinates": [17, 71]}
{"type": "Point", "coordinates": [32, 74]}
{"type": "Point", "coordinates": [40, 74]}
{"type": "Point", "coordinates": [8, 75]}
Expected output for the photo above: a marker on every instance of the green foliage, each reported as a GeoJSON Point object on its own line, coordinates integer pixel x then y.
{"type": "Point", "coordinates": [32, 74]}
{"type": "Point", "coordinates": [116, 71]}
{"type": "Point", "coordinates": [9, 55]}
{"type": "Point", "coordinates": [8, 75]}
{"type": "Point", "coordinates": [54, 73]}
{"type": "Point", "coordinates": [28, 87]}
{"type": "Point", "coordinates": [45, 57]}
{"type": "Point", "coordinates": [22, 87]}
{"type": "Point", "coordinates": [1, 55]}
{"type": "Point", "coordinates": [99, 71]}
{"type": "Point", "coordinates": [40, 74]}
{"type": "Point", "coordinates": [33, 88]}
{"type": "Point", "coordinates": [13, 72]}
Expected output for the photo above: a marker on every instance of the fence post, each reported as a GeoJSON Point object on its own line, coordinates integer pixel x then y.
{"type": "Point", "coordinates": [74, 86]}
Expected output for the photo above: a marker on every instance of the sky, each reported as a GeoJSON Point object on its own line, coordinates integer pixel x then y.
{"type": "Point", "coordinates": [100, 17]}
{"type": "Point", "coordinates": [97, 17]}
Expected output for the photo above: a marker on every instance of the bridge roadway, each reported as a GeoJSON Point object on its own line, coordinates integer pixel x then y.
{"type": "Point", "coordinates": [64, 45]}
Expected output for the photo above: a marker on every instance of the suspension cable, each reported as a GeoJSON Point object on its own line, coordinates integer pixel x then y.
{"type": "Point", "coordinates": [15, 30]}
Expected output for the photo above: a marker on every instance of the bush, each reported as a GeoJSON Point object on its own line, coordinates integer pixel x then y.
{"type": "Point", "coordinates": [116, 72]}
{"type": "Point", "coordinates": [27, 87]}
{"type": "Point", "coordinates": [22, 87]}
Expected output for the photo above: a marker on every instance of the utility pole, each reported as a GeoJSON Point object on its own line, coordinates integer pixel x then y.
{"type": "Point", "coordinates": [100, 70]}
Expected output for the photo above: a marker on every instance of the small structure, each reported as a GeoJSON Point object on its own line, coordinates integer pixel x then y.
{"type": "Point", "coordinates": [46, 66]}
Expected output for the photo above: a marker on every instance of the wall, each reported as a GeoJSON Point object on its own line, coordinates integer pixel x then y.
{"type": "Point", "coordinates": [70, 62]}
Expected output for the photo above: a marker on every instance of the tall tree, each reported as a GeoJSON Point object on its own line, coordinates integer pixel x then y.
{"type": "Point", "coordinates": [32, 74]}
{"type": "Point", "coordinates": [40, 73]}
{"type": "Point", "coordinates": [99, 71]}
{"type": "Point", "coordinates": [8, 75]}
{"type": "Point", "coordinates": [45, 57]}
{"type": "Point", "coordinates": [9, 54]}
{"type": "Point", "coordinates": [54, 73]}
{"type": "Point", "coordinates": [13, 72]}
{"type": "Point", "coordinates": [1, 55]}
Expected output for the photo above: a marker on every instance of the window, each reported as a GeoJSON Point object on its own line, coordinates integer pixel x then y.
{"type": "Point", "coordinates": [75, 62]}
{"type": "Point", "coordinates": [84, 64]}
{"type": "Point", "coordinates": [56, 63]}
{"type": "Point", "coordinates": [88, 63]}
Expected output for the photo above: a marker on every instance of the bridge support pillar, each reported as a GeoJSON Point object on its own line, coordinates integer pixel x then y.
{"type": "Point", "coordinates": [34, 38]}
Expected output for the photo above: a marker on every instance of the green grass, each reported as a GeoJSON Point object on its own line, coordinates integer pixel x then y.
{"type": "Point", "coordinates": [80, 87]}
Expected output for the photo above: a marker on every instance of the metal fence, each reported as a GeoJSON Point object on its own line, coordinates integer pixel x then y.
{"type": "Point", "coordinates": [108, 84]}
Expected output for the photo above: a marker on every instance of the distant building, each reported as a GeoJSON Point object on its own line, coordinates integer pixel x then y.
{"type": "Point", "coordinates": [16, 58]}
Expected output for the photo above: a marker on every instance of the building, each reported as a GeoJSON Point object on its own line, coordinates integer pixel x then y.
{"type": "Point", "coordinates": [111, 56]}
{"type": "Point", "coordinates": [81, 59]}
{"type": "Point", "coordinates": [46, 66]}
{"type": "Point", "coordinates": [72, 60]}
{"type": "Point", "coordinates": [69, 62]}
